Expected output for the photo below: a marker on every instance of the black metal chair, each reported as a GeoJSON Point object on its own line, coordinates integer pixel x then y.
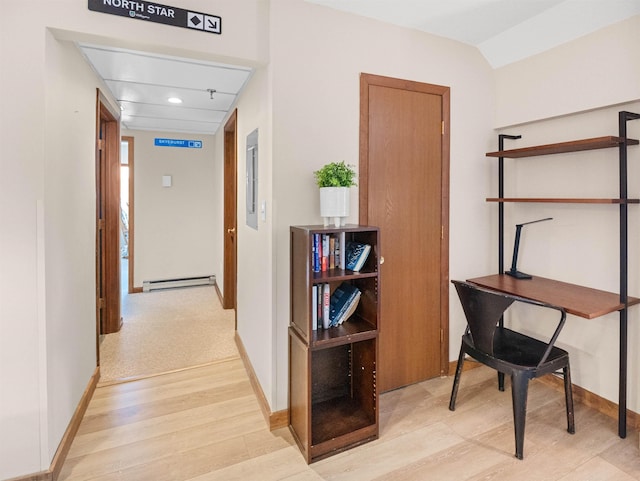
{"type": "Point", "coordinates": [509, 352]}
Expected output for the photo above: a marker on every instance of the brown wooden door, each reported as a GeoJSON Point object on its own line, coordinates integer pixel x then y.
{"type": "Point", "coordinates": [107, 218]}
{"type": "Point", "coordinates": [230, 212]}
{"type": "Point", "coordinates": [101, 190]}
{"type": "Point", "coordinates": [404, 191]}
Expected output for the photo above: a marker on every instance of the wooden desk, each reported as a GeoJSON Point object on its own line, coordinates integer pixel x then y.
{"type": "Point", "coordinates": [577, 300]}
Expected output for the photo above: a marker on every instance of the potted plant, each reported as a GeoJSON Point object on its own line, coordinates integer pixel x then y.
{"type": "Point", "coordinates": [334, 180]}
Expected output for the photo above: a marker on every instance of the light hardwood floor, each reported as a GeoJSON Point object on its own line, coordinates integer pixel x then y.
{"type": "Point", "coordinates": [205, 424]}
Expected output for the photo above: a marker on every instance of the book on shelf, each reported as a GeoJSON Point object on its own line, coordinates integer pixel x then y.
{"type": "Point", "coordinates": [353, 304]}
{"type": "Point", "coordinates": [356, 254]}
{"type": "Point", "coordinates": [319, 307]}
{"type": "Point", "coordinates": [314, 307]}
{"type": "Point", "coordinates": [332, 252]}
{"type": "Point", "coordinates": [324, 252]}
{"type": "Point", "coordinates": [343, 302]}
{"type": "Point", "coordinates": [315, 248]}
{"type": "Point", "coordinates": [326, 300]}
{"type": "Point", "coordinates": [328, 252]}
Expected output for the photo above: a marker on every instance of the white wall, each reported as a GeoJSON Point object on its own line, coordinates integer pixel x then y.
{"type": "Point", "coordinates": [69, 234]}
{"type": "Point", "coordinates": [317, 55]}
{"type": "Point", "coordinates": [593, 71]}
{"type": "Point", "coordinates": [47, 308]}
{"type": "Point", "coordinates": [174, 226]}
{"type": "Point", "coordinates": [255, 247]}
{"type": "Point", "coordinates": [22, 325]}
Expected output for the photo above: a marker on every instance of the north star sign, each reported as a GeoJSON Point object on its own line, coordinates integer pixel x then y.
{"type": "Point", "coordinates": [155, 12]}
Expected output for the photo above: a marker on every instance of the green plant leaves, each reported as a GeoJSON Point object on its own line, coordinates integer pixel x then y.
{"type": "Point", "coordinates": [335, 174]}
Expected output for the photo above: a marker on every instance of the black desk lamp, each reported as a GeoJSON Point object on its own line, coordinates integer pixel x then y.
{"type": "Point", "coordinates": [514, 272]}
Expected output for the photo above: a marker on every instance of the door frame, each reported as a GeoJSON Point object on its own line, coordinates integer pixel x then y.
{"type": "Point", "coordinates": [367, 80]}
{"type": "Point", "coordinates": [108, 225]}
{"type": "Point", "coordinates": [131, 240]}
{"type": "Point", "coordinates": [230, 222]}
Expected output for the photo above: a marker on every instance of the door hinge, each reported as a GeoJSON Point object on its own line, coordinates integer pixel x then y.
{"type": "Point", "coordinates": [441, 335]}
{"type": "Point", "coordinates": [101, 303]}
{"type": "Point", "coordinates": [441, 232]}
{"type": "Point", "coordinates": [99, 142]}
{"type": "Point", "coordinates": [100, 224]}
{"type": "Point", "coordinates": [442, 124]}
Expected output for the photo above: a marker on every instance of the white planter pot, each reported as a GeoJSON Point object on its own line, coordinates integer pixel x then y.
{"type": "Point", "coordinates": [334, 204]}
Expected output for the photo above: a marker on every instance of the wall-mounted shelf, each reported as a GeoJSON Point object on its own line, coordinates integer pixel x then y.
{"type": "Point", "coordinates": [563, 147]}
{"type": "Point", "coordinates": [562, 201]}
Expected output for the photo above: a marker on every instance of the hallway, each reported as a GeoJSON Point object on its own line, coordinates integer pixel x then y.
{"type": "Point", "coordinates": [167, 330]}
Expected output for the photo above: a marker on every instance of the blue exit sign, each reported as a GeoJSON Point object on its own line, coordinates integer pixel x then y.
{"type": "Point", "coordinates": [189, 144]}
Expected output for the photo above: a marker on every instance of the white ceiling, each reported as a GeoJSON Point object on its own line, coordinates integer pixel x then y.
{"type": "Point", "coordinates": [504, 31]}
{"type": "Point", "coordinates": [142, 82]}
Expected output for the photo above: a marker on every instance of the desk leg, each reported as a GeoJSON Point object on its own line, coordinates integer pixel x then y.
{"type": "Point", "coordinates": [622, 394]}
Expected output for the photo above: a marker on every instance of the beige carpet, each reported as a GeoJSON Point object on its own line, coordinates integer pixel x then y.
{"type": "Point", "coordinates": [167, 330]}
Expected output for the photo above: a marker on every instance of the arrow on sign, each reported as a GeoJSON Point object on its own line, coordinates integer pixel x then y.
{"type": "Point", "coordinates": [212, 24]}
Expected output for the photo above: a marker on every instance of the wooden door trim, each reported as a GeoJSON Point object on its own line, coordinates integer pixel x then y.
{"type": "Point", "coordinates": [131, 241]}
{"type": "Point", "coordinates": [230, 221]}
{"type": "Point", "coordinates": [367, 80]}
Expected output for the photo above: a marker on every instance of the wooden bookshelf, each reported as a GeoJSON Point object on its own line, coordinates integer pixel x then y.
{"type": "Point", "coordinates": [333, 403]}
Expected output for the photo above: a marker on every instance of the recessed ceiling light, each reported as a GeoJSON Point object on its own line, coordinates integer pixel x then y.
{"type": "Point", "coordinates": [174, 100]}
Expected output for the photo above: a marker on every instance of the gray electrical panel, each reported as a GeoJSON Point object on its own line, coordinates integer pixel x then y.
{"type": "Point", "coordinates": [252, 179]}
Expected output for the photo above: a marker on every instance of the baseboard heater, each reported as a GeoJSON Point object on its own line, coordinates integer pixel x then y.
{"type": "Point", "coordinates": [176, 283]}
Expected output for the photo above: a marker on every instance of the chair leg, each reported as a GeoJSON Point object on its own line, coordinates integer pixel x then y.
{"type": "Point", "coordinates": [568, 395]}
{"type": "Point", "coordinates": [501, 374]}
{"type": "Point", "coordinates": [456, 380]}
{"type": "Point", "coordinates": [519, 389]}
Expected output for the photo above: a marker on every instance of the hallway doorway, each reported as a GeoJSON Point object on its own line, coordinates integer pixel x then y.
{"type": "Point", "coordinates": [127, 231]}
{"type": "Point", "coordinates": [182, 76]}
{"type": "Point", "coordinates": [166, 329]}
{"type": "Point", "coordinates": [163, 330]}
